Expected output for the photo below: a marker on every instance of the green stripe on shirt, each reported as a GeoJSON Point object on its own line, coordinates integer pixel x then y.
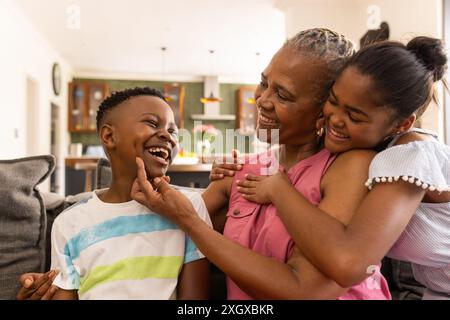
{"type": "Point", "coordinates": [136, 268]}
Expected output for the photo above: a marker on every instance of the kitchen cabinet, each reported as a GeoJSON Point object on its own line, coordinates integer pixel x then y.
{"type": "Point", "coordinates": [84, 100]}
{"type": "Point", "coordinates": [246, 113]}
{"type": "Point", "coordinates": [174, 95]}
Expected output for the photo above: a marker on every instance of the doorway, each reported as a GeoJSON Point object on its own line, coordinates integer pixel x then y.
{"type": "Point", "coordinates": [32, 116]}
{"type": "Point", "coordinates": [55, 147]}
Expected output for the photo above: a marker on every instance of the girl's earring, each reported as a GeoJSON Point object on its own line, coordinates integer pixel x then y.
{"type": "Point", "coordinates": [393, 135]}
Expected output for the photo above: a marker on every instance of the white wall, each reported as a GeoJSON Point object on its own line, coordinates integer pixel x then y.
{"type": "Point", "coordinates": [406, 18]}
{"type": "Point", "coordinates": [341, 16]}
{"type": "Point", "coordinates": [25, 53]}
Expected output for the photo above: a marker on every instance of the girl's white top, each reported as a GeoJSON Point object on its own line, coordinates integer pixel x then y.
{"type": "Point", "coordinates": [426, 240]}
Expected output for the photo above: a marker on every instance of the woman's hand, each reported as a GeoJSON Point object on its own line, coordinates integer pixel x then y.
{"type": "Point", "coordinates": [225, 168]}
{"type": "Point", "coordinates": [37, 286]}
{"type": "Point", "coordinates": [259, 189]}
{"type": "Point", "coordinates": [160, 197]}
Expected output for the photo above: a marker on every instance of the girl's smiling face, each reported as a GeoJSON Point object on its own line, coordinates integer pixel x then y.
{"type": "Point", "coordinates": [353, 117]}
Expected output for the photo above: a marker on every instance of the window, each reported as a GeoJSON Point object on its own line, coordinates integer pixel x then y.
{"type": "Point", "coordinates": [446, 19]}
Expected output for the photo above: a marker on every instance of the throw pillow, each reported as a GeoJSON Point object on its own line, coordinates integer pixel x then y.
{"type": "Point", "coordinates": [22, 220]}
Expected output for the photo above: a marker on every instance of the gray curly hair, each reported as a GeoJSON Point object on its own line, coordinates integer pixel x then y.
{"type": "Point", "coordinates": [331, 47]}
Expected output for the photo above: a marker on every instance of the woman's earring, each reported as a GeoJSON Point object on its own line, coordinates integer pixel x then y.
{"type": "Point", "coordinates": [320, 124]}
{"type": "Point", "coordinates": [320, 132]}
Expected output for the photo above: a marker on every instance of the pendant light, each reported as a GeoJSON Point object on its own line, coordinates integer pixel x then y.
{"type": "Point", "coordinates": [211, 97]}
{"type": "Point", "coordinates": [252, 99]}
{"type": "Point", "coordinates": [167, 96]}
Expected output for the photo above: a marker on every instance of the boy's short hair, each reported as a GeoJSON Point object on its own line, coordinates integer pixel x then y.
{"type": "Point", "coordinates": [120, 96]}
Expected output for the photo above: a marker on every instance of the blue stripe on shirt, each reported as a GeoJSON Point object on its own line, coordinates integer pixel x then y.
{"type": "Point", "coordinates": [190, 250]}
{"type": "Point", "coordinates": [116, 227]}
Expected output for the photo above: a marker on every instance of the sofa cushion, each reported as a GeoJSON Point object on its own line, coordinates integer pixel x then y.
{"type": "Point", "coordinates": [103, 174]}
{"type": "Point", "coordinates": [72, 199]}
{"type": "Point", "coordinates": [22, 220]}
{"type": "Point", "coordinates": [404, 285]}
{"type": "Point", "coordinates": [54, 204]}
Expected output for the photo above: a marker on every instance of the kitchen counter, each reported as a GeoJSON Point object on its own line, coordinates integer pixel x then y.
{"type": "Point", "coordinates": [80, 174]}
{"type": "Point", "coordinates": [72, 161]}
{"type": "Point", "coordinates": [201, 167]}
{"type": "Point", "coordinates": [91, 162]}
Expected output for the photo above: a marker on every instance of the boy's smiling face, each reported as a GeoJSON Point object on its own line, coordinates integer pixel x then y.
{"type": "Point", "coordinates": [142, 126]}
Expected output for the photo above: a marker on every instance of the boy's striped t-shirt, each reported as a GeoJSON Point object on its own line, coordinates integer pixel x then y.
{"type": "Point", "coordinates": [121, 250]}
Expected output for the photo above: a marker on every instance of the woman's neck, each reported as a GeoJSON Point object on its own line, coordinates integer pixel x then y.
{"type": "Point", "coordinates": [292, 154]}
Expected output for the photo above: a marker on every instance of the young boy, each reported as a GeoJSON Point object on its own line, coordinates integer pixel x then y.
{"type": "Point", "coordinates": [110, 246]}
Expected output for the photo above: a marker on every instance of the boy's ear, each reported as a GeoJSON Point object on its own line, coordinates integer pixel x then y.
{"type": "Point", "coordinates": [107, 136]}
{"type": "Point", "coordinates": [405, 125]}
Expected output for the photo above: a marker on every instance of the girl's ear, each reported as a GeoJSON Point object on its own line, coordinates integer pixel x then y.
{"type": "Point", "coordinates": [107, 136]}
{"type": "Point", "coordinates": [405, 125]}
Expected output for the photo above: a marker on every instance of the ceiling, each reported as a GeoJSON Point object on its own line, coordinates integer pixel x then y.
{"type": "Point", "coordinates": [123, 38]}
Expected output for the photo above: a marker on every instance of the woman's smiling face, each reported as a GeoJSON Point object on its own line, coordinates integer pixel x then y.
{"type": "Point", "coordinates": [287, 96]}
{"type": "Point", "coordinates": [353, 117]}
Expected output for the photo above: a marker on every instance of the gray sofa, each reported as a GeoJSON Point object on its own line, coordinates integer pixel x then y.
{"type": "Point", "coordinates": [23, 220]}
{"type": "Point", "coordinates": [26, 217]}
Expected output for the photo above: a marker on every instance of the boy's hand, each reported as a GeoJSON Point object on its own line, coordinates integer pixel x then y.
{"type": "Point", "coordinates": [160, 198]}
{"type": "Point", "coordinates": [226, 168]}
{"type": "Point", "coordinates": [37, 286]}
